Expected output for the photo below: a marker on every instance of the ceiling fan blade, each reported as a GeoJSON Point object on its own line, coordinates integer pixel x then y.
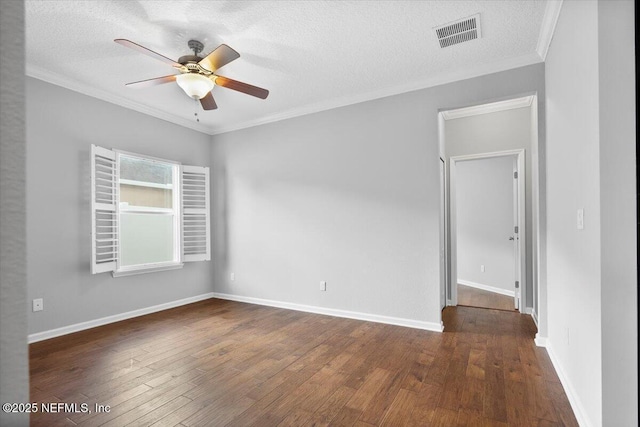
{"type": "Point", "coordinates": [208, 103]}
{"type": "Point", "coordinates": [220, 57]}
{"type": "Point", "coordinates": [242, 87]}
{"type": "Point", "coordinates": [152, 82]}
{"type": "Point", "coordinates": [142, 49]}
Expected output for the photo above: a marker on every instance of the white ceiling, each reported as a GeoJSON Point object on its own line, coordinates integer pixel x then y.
{"type": "Point", "coordinates": [311, 55]}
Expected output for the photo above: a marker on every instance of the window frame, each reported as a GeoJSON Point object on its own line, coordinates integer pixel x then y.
{"type": "Point", "coordinates": [176, 263]}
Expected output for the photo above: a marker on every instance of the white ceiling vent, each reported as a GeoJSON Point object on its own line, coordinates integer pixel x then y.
{"type": "Point", "coordinates": [459, 31]}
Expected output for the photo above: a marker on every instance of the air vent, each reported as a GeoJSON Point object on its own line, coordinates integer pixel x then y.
{"type": "Point", "coordinates": [459, 31]}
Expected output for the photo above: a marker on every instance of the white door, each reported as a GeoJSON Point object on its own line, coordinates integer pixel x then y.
{"type": "Point", "coordinates": [487, 235]}
{"type": "Point", "coordinates": [518, 227]}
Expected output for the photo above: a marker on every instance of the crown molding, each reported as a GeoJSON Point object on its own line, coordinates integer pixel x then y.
{"type": "Point", "coordinates": [492, 107]}
{"type": "Point", "coordinates": [462, 74]}
{"type": "Point", "coordinates": [548, 27]}
{"type": "Point", "coordinates": [85, 89]}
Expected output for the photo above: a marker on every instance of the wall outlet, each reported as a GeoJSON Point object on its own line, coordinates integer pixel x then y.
{"type": "Point", "coordinates": [323, 286]}
{"type": "Point", "coordinates": [38, 304]}
{"type": "Point", "coordinates": [232, 276]}
{"type": "Point", "coordinates": [482, 268]}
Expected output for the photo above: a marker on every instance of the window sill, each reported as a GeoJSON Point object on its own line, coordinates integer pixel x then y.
{"type": "Point", "coordinates": [143, 270]}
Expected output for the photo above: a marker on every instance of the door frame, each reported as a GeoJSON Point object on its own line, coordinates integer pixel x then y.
{"type": "Point", "coordinates": [443, 234]}
{"type": "Point", "coordinates": [519, 154]}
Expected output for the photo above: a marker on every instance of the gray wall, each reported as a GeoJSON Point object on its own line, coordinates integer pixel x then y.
{"type": "Point", "coordinates": [484, 222]}
{"type": "Point", "coordinates": [592, 276]}
{"type": "Point", "coordinates": [618, 213]}
{"type": "Point", "coordinates": [573, 276]}
{"type": "Point", "coordinates": [349, 196]}
{"type": "Point", "coordinates": [500, 131]}
{"type": "Point", "coordinates": [61, 126]}
{"type": "Point", "coordinates": [14, 381]}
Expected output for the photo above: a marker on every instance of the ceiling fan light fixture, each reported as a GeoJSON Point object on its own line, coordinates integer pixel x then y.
{"type": "Point", "coordinates": [195, 85]}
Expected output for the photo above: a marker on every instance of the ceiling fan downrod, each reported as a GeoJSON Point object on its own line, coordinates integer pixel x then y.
{"type": "Point", "coordinates": [195, 46]}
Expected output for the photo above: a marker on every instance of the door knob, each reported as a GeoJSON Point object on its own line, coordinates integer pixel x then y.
{"type": "Point", "coordinates": [511, 238]}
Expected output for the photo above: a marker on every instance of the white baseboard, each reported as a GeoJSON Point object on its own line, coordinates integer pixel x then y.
{"type": "Point", "coordinates": [540, 340]}
{"type": "Point", "coordinates": [486, 288]}
{"type": "Point", "coordinates": [417, 324]}
{"type": "Point", "coordinates": [531, 312]}
{"type": "Point", "coordinates": [578, 409]}
{"type": "Point", "coordinates": [52, 333]}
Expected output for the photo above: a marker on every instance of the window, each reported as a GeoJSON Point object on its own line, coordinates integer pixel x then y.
{"type": "Point", "coordinates": [147, 214]}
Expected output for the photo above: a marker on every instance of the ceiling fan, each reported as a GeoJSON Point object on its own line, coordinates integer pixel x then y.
{"type": "Point", "coordinates": [197, 74]}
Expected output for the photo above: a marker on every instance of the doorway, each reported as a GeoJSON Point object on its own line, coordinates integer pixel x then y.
{"type": "Point", "coordinates": [487, 207]}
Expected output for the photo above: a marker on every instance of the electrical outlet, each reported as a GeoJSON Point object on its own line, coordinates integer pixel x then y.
{"type": "Point", "coordinates": [323, 286]}
{"type": "Point", "coordinates": [482, 268]}
{"type": "Point", "coordinates": [38, 304]}
{"type": "Point", "coordinates": [232, 276]}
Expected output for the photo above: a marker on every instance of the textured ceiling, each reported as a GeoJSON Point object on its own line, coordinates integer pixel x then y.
{"type": "Point", "coordinates": [311, 55]}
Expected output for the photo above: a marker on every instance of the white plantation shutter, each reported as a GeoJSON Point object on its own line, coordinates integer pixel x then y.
{"type": "Point", "coordinates": [104, 218]}
{"type": "Point", "coordinates": [196, 238]}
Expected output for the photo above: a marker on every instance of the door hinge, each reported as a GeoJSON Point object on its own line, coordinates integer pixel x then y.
{"type": "Point", "coordinates": [515, 175]}
{"type": "Point", "coordinates": [517, 284]}
{"type": "Point", "coordinates": [515, 229]}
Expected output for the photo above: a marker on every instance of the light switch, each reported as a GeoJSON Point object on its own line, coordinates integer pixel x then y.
{"type": "Point", "coordinates": [580, 219]}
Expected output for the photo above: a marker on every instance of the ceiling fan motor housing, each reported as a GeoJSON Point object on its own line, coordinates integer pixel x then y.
{"type": "Point", "coordinates": [191, 62]}
{"type": "Point", "coordinates": [189, 59]}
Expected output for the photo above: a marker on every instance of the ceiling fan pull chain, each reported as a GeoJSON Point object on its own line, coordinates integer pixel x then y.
{"type": "Point", "coordinates": [196, 110]}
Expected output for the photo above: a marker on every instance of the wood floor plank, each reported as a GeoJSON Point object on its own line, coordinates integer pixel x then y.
{"type": "Point", "coordinates": [224, 363]}
{"type": "Point", "coordinates": [518, 412]}
{"type": "Point", "coordinates": [261, 408]}
{"type": "Point", "coordinates": [112, 401]}
{"type": "Point", "coordinates": [475, 297]}
{"type": "Point", "coordinates": [346, 417]}
{"type": "Point", "coordinates": [561, 404]}
{"type": "Point", "coordinates": [331, 407]}
{"type": "Point", "coordinates": [472, 395]}
{"type": "Point", "coordinates": [297, 417]}
{"type": "Point", "coordinates": [220, 412]}
{"type": "Point", "coordinates": [382, 401]}
{"type": "Point", "coordinates": [184, 412]}
{"type": "Point", "coordinates": [540, 399]}
{"type": "Point", "coordinates": [160, 412]}
{"type": "Point", "coordinates": [513, 369]}
{"type": "Point", "coordinates": [455, 378]}
{"type": "Point", "coordinates": [138, 406]}
{"type": "Point", "coordinates": [475, 367]}
{"type": "Point", "coordinates": [439, 367]}
{"type": "Point", "coordinates": [425, 405]}
{"type": "Point", "coordinates": [401, 408]}
{"type": "Point", "coordinates": [469, 419]}
{"type": "Point", "coordinates": [494, 406]}
{"type": "Point", "coordinates": [444, 417]}
{"type": "Point", "coordinates": [372, 385]}
{"type": "Point", "coordinates": [416, 375]}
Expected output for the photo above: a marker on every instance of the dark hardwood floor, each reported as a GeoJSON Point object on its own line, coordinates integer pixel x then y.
{"type": "Point", "coordinates": [224, 363]}
{"type": "Point", "coordinates": [474, 297]}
